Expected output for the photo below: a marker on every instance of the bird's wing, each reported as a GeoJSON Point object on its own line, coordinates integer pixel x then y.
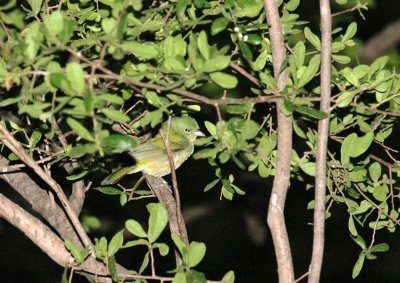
{"type": "Point", "coordinates": [155, 148]}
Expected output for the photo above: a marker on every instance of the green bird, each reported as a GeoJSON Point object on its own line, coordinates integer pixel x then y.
{"type": "Point", "coordinates": [151, 157]}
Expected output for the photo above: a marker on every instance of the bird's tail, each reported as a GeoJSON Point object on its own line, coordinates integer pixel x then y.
{"type": "Point", "coordinates": [117, 175]}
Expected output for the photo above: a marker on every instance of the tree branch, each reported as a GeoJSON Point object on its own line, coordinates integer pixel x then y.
{"type": "Point", "coordinates": [322, 143]}
{"type": "Point", "coordinates": [381, 42]}
{"type": "Point", "coordinates": [15, 147]}
{"type": "Point", "coordinates": [275, 218]}
{"type": "Point", "coordinates": [35, 230]}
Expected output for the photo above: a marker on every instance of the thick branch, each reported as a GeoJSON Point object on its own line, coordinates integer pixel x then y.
{"type": "Point", "coordinates": [322, 143]}
{"type": "Point", "coordinates": [381, 42]}
{"type": "Point", "coordinates": [40, 201]}
{"type": "Point", "coordinates": [35, 230]}
{"type": "Point", "coordinates": [15, 147]}
{"type": "Point", "coordinates": [276, 219]}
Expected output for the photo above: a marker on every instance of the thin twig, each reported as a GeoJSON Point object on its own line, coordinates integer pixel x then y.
{"type": "Point", "coordinates": [246, 74]}
{"type": "Point", "coordinates": [165, 139]}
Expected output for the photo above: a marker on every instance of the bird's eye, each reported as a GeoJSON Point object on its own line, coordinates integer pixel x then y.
{"type": "Point", "coordinates": [187, 130]}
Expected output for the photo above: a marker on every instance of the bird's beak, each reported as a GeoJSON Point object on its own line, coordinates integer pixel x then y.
{"type": "Point", "coordinates": [199, 134]}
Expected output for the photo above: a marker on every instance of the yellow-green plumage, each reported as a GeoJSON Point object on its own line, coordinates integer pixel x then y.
{"type": "Point", "coordinates": [151, 157]}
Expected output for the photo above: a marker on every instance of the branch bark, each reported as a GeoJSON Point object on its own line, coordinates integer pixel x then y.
{"type": "Point", "coordinates": [35, 230]}
{"type": "Point", "coordinates": [322, 143]}
{"type": "Point", "coordinates": [381, 42]}
{"type": "Point", "coordinates": [276, 218]}
{"type": "Point", "coordinates": [14, 146]}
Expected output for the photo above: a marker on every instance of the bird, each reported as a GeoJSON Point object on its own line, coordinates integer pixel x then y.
{"type": "Point", "coordinates": [151, 156]}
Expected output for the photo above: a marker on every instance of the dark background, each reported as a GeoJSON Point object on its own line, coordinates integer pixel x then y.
{"type": "Point", "coordinates": [234, 232]}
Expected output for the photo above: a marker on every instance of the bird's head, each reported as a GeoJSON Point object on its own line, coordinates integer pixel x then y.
{"type": "Point", "coordinates": [185, 126]}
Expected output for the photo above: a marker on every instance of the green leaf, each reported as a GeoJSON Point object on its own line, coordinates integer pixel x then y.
{"type": "Point", "coordinates": [312, 38]}
{"type": "Point", "coordinates": [345, 98]}
{"type": "Point", "coordinates": [115, 115]}
{"type": "Point", "coordinates": [202, 44]}
{"type": "Point", "coordinates": [79, 129]}
{"type": "Point", "coordinates": [342, 59]}
{"type": "Point", "coordinates": [309, 168]}
{"type": "Point", "coordinates": [350, 32]}
{"type": "Point", "coordinates": [138, 242]}
{"type": "Point", "coordinates": [383, 247]}
{"type": "Point", "coordinates": [211, 185]}
{"type": "Point", "coordinates": [179, 243]}
{"type": "Point", "coordinates": [246, 51]}
{"type": "Point", "coordinates": [375, 171]}
{"type": "Point", "coordinates": [35, 6]}
{"type": "Point", "coordinates": [54, 23]}
{"type": "Point", "coordinates": [310, 71]}
{"type": "Point", "coordinates": [76, 253]}
{"type": "Point", "coordinates": [112, 268]}
{"type": "Point", "coordinates": [211, 128]}
{"type": "Point", "coordinates": [76, 77]}
{"type": "Point", "coordinates": [111, 98]}
{"type": "Point", "coordinates": [310, 112]}
{"type": "Point", "coordinates": [109, 190]}
{"type": "Point", "coordinates": [119, 142]}
{"type": "Point", "coordinates": [77, 176]}
{"type": "Point", "coordinates": [135, 228]}
{"type": "Point", "coordinates": [115, 244]}
{"type": "Point", "coordinates": [379, 193]}
{"type": "Point", "coordinates": [349, 75]}
{"type": "Point", "coordinates": [196, 253]}
{"type": "Point", "coordinates": [141, 50]}
{"type": "Point", "coordinates": [157, 221]}
{"type": "Point", "coordinates": [216, 63]}
{"type": "Point", "coordinates": [248, 8]}
{"type": "Point", "coordinates": [299, 52]}
{"type": "Point", "coordinates": [358, 266]}
{"type": "Point", "coordinates": [292, 5]}
{"type": "Point", "coordinates": [352, 226]}
{"type": "Point", "coordinates": [180, 277]}
{"type": "Point", "coordinates": [224, 80]}
{"type": "Point", "coordinates": [229, 277]}
{"type": "Point", "coordinates": [362, 144]}
{"type": "Point", "coordinates": [163, 248]}
{"type": "Point", "coordinates": [101, 248]}
{"type": "Point", "coordinates": [219, 25]}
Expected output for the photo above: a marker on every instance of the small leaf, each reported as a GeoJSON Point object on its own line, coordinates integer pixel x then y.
{"type": "Point", "coordinates": [119, 142]}
{"type": "Point", "coordinates": [383, 247]}
{"type": "Point", "coordinates": [211, 128]}
{"type": "Point", "coordinates": [157, 221]}
{"type": "Point", "coordinates": [115, 243]}
{"type": "Point", "coordinates": [211, 185]}
{"type": "Point", "coordinates": [112, 268]}
{"type": "Point", "coordinates": [229, 277]}
{"type": "Point", "coordinates": [309, 168]}
{"type": "Point", "coordinates": [312, 38]}
{"type": "Point", "coordinates": [109, 190]}
{"type": "Point", "coordinates": [163, 248]}
{"type": "Point", "coordinates": [375, 171]}
{"type": "Point", "coordinates": [135, 228]}
{"type": "Point", "coordinates": [224, 80]}
{"type": "Point", "coordinates": [196, 252]}
{"type": "Point", "coordinates": [202, 44]}
{"type": "Point", "coordinates": [358, 266]}
{"type": "Point", "coordinates": [76, 253]}
{"type": "Point", "coordinates": [219, 25]}
{"type": "Point", "coordinates": [79, 129]}
{"type": "Point", "coordinates": [115, 115]}
{"type": "Point", "coordinates": [352, 227]}
{"type": "Point", "coordinates": [140, 50]}
{"type": "Point", "coordinates": [310, 112]}
{"type": "Point", "coordinates": [246, 51]}
{"type": "Point", "coordinates": [180, 277]}
{"type": "Point", "coordinates": [77, 176]}
{"type": "Point", "coordinates": [76, 77]}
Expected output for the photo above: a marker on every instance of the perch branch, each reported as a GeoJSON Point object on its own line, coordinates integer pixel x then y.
{"type": "Point", "coordinates": [15, 147]}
